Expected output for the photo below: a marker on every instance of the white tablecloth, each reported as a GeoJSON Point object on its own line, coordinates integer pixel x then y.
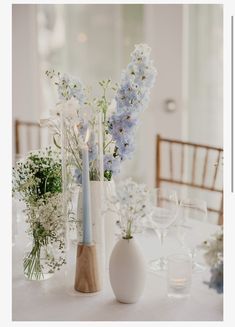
{"type": "Point", "coordinates": [54, 299]}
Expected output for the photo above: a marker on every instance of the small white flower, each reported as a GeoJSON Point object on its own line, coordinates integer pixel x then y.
{"type": "Point", "coordinates": [132, 204]}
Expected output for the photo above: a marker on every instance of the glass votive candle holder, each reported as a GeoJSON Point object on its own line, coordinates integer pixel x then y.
{"type": "Point", "coordinates": [179, 275]}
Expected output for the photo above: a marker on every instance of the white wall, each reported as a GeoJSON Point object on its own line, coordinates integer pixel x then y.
{"type": "Point", "coordinates": [204, 46]}
{"type": "Point", "coordinates": [25, 84]}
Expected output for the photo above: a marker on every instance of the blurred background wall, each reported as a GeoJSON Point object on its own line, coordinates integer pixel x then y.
{"type": "Point", "coordinates": [94, 42]}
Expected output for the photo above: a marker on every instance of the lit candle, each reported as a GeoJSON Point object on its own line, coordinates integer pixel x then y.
{"type": "Point", "coordinates": [86, 199]}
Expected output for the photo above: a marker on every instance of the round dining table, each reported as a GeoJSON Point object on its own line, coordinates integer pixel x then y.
{"type": "Point", "coordinates": [55, 299]}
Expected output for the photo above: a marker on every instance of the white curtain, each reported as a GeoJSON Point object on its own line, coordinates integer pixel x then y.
{"type": "Point", "coordinates": [87, 41]}
{"type": "Point", "coordinates": [204, 73]}
{"type": "Point", "coordinates": [203, 88]}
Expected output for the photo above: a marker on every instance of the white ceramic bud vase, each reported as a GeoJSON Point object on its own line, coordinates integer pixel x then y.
{"type": "Point", "coordinates": [127, 271]}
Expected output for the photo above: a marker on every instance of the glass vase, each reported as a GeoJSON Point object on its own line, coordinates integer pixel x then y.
{"type": "Point", "coordinates": [38, 261]}
{"type": "Point", "coordinates": [45, 253]}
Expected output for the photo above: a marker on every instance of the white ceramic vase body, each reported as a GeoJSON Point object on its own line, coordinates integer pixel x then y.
{"type": "Point", "coordinates": [127, 271]}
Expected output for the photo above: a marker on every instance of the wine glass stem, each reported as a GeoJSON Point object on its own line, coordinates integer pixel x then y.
{"type": "Point", "coordinates": [162, 238]}
{"type": "Point", "coordinates": [161, 234]}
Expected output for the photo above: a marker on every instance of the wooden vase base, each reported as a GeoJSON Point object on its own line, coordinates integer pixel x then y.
{"type": "Point", "coordinates": [87, 275]}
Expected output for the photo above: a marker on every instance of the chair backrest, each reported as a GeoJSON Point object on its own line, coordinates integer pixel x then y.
{"type": "Point", "coordinates": [29, 136]}
{"type": "Point", "coordinates": [192, 166]}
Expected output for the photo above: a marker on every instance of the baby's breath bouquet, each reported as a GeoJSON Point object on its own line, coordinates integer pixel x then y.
{"type": "Point", "coordinates": [132, 205]}
{"type": "Point", "coordinates": [37, 181]}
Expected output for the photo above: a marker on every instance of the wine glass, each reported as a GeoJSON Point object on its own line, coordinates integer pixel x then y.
{"type": "Point", "coordinates": [190, 211]}
{"type": "Point", "coordinates": [164, 212]}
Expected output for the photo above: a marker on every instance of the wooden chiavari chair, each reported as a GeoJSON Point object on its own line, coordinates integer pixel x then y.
{"type": "Point", "coordinates": [27, 136]}
{"type": "Point", "coordinates": [208, 179]}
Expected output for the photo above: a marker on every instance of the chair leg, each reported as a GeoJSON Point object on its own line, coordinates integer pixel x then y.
{"type": "Point", "coordinates": [221, 219]}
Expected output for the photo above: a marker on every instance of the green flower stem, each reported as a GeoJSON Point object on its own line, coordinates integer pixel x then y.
{"type": "Point", "coordinates": [75, 157]}
{"type": "Point", "coordinates": [75, 137]}
{"type": "Point", "coordinates": [128, 230]}
{"type": "Point", "coordinates": [45, 184]}
{"type": "Point", "coordinates": [32, 264]}
{"type": "Point", "coordinates": [108, 144]}
{"type": "Point", "coordinates": [104, 110]}
{"type": "Point", "coordinates": [55, 142]}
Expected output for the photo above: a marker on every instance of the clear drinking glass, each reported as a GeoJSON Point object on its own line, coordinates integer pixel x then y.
{"type": "Point", "coordinates": [179, 275]}
{"type": "Point", "coordinates": [190, 211]}
{"type": "Point", "coordinates": [164, 213]}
